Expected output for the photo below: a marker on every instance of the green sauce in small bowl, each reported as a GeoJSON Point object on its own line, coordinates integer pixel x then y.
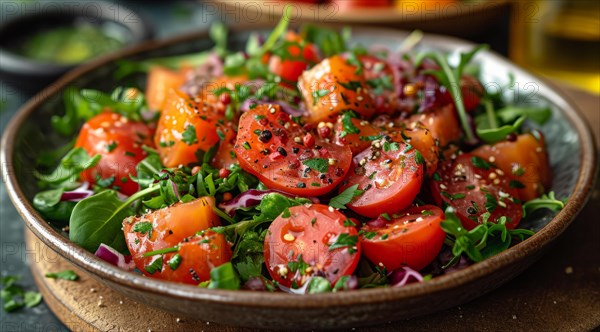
{"type": "Point", "coordinates": [70, 44]}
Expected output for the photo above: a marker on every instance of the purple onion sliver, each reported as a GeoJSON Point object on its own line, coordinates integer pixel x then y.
{"type": "Point", "coordinates": [114, 257]}
{"type": "Point", "coordinates": [403, 276]}
{"type": "Point", "coordinates": [77, 194]}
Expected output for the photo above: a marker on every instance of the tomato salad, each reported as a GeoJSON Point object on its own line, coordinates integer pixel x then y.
{"type": "Point", "coordinates": [302, 164]}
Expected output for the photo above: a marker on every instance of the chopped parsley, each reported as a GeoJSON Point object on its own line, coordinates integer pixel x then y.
{"type": "Point", "coordinates": [352, 85]}
{"type": "Point", "coordinates": [321, 165]}
{"type": "Point", "coordinates": [155, 266]}
{"type": "Point", "coordinates": [174, 262]}
{"type": "Point", "coordinates": [110, 147]}
{"type": "Point", "coordinates": [317, 94]}
{"type": "Point", "coordinates": [143, 227]}
{"type": "Point", "coordinates": [347, 125]}
{"type": "Point", "coordinates": [480, 163]}
{"type": "Point", "coordinates": [189, 135]}
{"type": "Point", "coordinates": [345, 240]}
{"type": "Point", "coordinates": [65, 275]}
{"type": "Point", "coordinates": [340, 201]}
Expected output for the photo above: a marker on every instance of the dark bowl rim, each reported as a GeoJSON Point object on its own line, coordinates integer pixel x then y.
{"type": "Point", "coordinates": [18, 64]}
{"type": "Point", "coordinates": [103, 270]}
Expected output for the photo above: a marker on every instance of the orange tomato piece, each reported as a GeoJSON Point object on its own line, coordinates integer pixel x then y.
{"type": "Point", "coordinates": [185, 126]}
{"type": "Point", "coordinates": [160, 82]}
{"type": "Point", "coordinates": [334, 86]}
{"type": "Point", "coordinates": [525, 160]}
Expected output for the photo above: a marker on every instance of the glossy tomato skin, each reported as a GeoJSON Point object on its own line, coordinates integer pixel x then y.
{"type": "Point", "coordinates": [279, 152]}
{"type": "Point", "coordinates": [334, 86]}
{"type": "Point", "coordinates": [168, 227]}
{"type": "Point", "coordinates": [198, 254]}
{"type": "Point", "coordinates": [357, 142]}
{"type": "Point", "coordinates": [301, 56]}
{"type": "Point", "coordinates": [410, 238]}
{"type": "Point", "coordinates": [185, 126]}
{"type": "Point", "coordinates": [442, 122]}
{"type": "Point", "coordinates": [524, 159]}
{"type": "Point", "coordinates": [473, 190]}
{"type": "Point", "coordinates": [310, 231]}
{"type": "Point", "coordinates": [119, 141]}
{"type": "Point", "coordinates": [390, 174]}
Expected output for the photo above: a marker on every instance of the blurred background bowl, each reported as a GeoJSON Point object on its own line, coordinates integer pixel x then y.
{"type": "Point", "coordinates": [116, 22]}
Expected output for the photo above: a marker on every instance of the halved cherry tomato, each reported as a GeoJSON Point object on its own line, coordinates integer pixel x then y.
{"type": "Point", "coordinates": [410, 238]}
{"type": "Point", "coordinates": [473, 186]}
{"type": "Point", "coordinates": [119, 141]}
{"type": "Point", "coordinates": [333, 86]}
{"type": "Point", "coordinates": [311, 240]}
{"type": "Point", "coordinates": [167, 227]}
{"type": "Point", "coordinates": [525, 160]}
{"type": "Point", "coordinates": [356, 141]}
{"type": "Point", "coordinates": [390, 174]}
{"type": "Point", "coordinates": [185, 126]}
{"type": "Point", "coordinates": [300, 55]}
{"type": "Point", "coordinates": [160, 82]}
{"type": "Point", "coordinates": [286, 157]}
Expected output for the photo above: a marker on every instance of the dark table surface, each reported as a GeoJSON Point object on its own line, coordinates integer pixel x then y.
{"type": "Point", "coordinates": [560, 292]}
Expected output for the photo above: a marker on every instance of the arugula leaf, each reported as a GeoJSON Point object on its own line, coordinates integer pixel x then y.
{"type": "Point", "coordinates": [224, 277]}
{"type": "Point", "coordinates": [535, 114]}
{"type": "Point", "coordinates": [147, 169]}
{"type": "Point", "coordinates": [340, 201]}
{"type": "Point", "coordinates": [483, 241]}
{"type": "Point", "coordinates": [450, 78]}
{"type": "Point", "coordinates": [547, 201]}
{"type": "Point", "coordinates": [65, 275]}
{"type": "Point", "coordinates": [98, 219]}
{"type": "Point", "coordinates": [218, 33]}
{"type": "Point", "coordinates": [67, 172]}
{"type": "Point", "coordinates": [491, 136]}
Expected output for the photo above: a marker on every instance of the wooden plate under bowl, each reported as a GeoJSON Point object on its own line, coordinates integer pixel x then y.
{"type": "Point", "coordinates": [572, 153]}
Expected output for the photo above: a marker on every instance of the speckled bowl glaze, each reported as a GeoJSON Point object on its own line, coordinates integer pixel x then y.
{"type": "Point", "coordinates": [572, 153]}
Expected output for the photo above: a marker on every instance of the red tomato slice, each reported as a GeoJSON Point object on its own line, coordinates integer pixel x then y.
{"type": "Point", "coordinates": [472, 186]}
{"type": "Point", "coordinates": [326, 240]}
{"type": "Point", "coordinates": [119, 142]}
{"type": "Point", "coordinates": [411, 238]}
{"type": "Point", "coordinates": [284, 156]}
{"type": "Point", "coordinates": [166, 228]}
{"type": "Point", "coordinates": [390, 174]}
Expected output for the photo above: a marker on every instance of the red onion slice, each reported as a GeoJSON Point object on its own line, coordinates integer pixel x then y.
{"type": "Point", "coordinates": [115, 258]}
{"type": "Point", "coordinates": [404, 276]}
{"type": "Point", "coordinates": [83, 191]}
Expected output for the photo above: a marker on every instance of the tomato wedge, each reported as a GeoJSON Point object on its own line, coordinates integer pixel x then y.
{"type": "Point", "coordinates": [119, 141]}
{"type": "Point", "coordinates": [526, 161]}
{"type": "Point", "coordinates": [284, 156]}
{"type": "Point", "coordinates": [168, 227]}
{"type": "Point", "coordinates": [390, 174]}
{"type": "Point", "coordinates": [473, 186]}
{"type": "Point", "coordinates": [411, 238]}
{"type": "Point", "coordinates": [311, 240]}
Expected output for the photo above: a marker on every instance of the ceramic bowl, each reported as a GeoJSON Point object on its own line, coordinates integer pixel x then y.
{"type": "Point", "coordinates": [26, 19]}
{"type": "Point", "coordinates": [572, 154]}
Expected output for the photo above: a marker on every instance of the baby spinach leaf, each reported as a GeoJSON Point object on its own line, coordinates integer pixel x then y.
{"type": "Point", "coordinates": [49, 205]}
{"type": "Point", "coordinates": [98, 219]}
{"type": "Point", "coordinates": [224, 277]}
{"type": "Point", "coordinates": [71, 165]}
